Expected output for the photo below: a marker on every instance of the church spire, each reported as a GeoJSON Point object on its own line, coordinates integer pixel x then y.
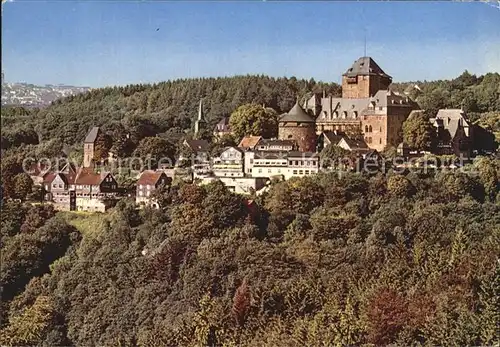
{"type": "Point", "coordinates": [200, 110]}
{"type": "Point", "coordinates": [200, 122]}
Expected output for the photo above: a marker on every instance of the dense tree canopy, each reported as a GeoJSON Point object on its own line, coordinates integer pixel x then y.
{"type": "Point", "coordinates": [254, 120]}
{"type": "Point", "coordinates": [418, 132]}
{"type": "Point", "coordinates": [323, 260]}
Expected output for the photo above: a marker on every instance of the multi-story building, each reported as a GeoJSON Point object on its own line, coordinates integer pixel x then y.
{"type": "Point", "coordinates": [454, 132]}
{"type": "Point", "coordinates": [301, 164]}
{"type": "Point", "coordinates": [149, 181]}
{"type": "Point", "coordinates": [80, 190]}
{"type": "Point", "coordinates": [230, 163]}
{"type": "Point", "coordinates": [367, 106]}
{"type": "Point", "coordinates": [89, 146]}
{"type": "Point", "coordinates": [268, 164]}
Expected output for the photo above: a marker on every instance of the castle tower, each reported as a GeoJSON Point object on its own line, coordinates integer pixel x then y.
{"type": "Point", "coordinates": [89, 146]}
{"type": "Point", "coordinates": [200, 123]}
{"type": "Point", "coordinates": [299, 126]}
{"type": "Point", "coordinates": [364, 79]}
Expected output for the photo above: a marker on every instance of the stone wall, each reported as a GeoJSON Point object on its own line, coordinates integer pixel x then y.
{"type": "Point", "coordinates": [363, 86]}
{"type": "Point", "coordinates": [303, 133]}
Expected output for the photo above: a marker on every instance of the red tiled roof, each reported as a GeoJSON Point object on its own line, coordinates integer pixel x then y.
{"type": "Point", "coordinates": [149, 177]}
{"type": "Point", "coordinates": [48, 178]}
{"type": "Point", "coordinates": [86, 176]}
{"type": "Point", "coordinates": [249, 141]}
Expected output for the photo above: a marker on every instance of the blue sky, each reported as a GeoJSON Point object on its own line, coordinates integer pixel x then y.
{"type": "Point", "coordinates": [99, 43]}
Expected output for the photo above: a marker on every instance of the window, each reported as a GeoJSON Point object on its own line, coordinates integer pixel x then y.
{"type": "Point", "coordinates": [366, 128]}
{"type": "Point", "coordinates": [148, 187]}
{"type": "Point", "coordinates": [370, 129]}
{"type": "Point", "coordinates": [260, 170]}
{"type": "Point", "coordinates": [306, 172]}
{"type": "Point", "coordinates": [249, 170]}
{"type": "Point", "coordinates": [279, 170]}
{"type": "Point", "coordinates": [140, 186]}
{"type": "Point", "coordinates": [344, 114]}
{"type": "Point", "coordinates": [251, 161]}
{"type": "Point", "coordinates": [294, 172]}
{"type": "Point", "coordinates": [140, 193]}
{"type": "Point", "coordinates": [380, 141]}
{"type": "Point", "coordinates": [380, 129]}
{"type": "Point", "coordinates": [355, 113]}
{"type": "Point", "coordinates": [380, 108]}
{"type": "Point", "coordinates": [301, 172]}
{"type": "Point", "coordinates": [269, 171]}
{"type": "Point", "coordinates": [336, 114]}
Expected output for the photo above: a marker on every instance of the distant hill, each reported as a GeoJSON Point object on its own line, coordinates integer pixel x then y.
{"type": "Point", "coordinates": [30, 95]}
{"type": "Point", "coordinates": [156, 108]}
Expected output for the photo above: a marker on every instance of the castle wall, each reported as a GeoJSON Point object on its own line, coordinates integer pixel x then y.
{"type": "Point", "coordinates": [303, 133]}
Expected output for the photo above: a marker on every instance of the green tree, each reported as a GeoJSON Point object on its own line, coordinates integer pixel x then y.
{"type": "Point", "coordinates": [253, 119]}
{"type": "Point", "coordinates": [418, 132]}
{"type": "Point", "coordinates": [23, 185]}
{"type": "Point", "coordinates": [400, 186]}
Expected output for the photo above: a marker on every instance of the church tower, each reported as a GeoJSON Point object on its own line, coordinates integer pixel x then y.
{"type": "Point", "coordinates": [200, 123]}
{"type": "Point", "coordinates": [364, 79]}
{"type": "Point", "coordinates": [89, 146]}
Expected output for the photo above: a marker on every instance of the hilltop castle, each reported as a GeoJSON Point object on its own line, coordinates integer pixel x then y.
{"type": "Point", "coordinates": [367, 106]}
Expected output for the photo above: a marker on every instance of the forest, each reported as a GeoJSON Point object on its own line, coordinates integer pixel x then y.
{"type": "Point", "coordinates": [334, 259]}
{"type": "Point", "coordinates": [326, 260]}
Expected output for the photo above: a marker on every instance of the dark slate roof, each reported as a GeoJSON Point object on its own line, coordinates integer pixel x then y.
{"type": "Point", "coordinates": [92, 135]}
{"type": "Point", "coordinates": [365, 66]}
{"type": "Point", "coordinates": [356, 143]}
{"type": "Point", "coordinates": [198, 145]}
{"type": "Point", "coordinates": [296, 114]}
{"type": "Point", "coordinates": [334, 136]}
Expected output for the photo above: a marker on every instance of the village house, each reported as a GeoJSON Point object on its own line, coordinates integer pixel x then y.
{"type": "Point", "coordinates": [222, 128]}
{"type": "Point", "coordinates": [249, 142]}
{"type": "Point", "coordinates": [149, 181]}
{"type": "Point", "coordinates": [79, 190]}
{"type": "Point", "coordinates": [240, 185]}
{"type": "Point", "coordinates": [199, 161]}
{"type": "Point", "coordinates": [229, 163]}
{"type": "Point", "coordinates": [454, 132]}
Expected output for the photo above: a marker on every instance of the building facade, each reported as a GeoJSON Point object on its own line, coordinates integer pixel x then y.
{"type": "Point", "coordinates": [149, 181]}
{"type": "Point", "coordinates": [366, 107]}
{"type": "Point", "coordinates": [230, 163]}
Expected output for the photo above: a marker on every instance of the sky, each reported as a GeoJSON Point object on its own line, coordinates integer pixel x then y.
{"type": "Point", "coordinates": [103, 43]}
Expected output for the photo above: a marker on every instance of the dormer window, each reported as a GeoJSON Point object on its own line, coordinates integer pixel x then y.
{"type": "Point", "coordinates": [344, 114]}
{"type": "Point", "coordinates": [355, 114]}
{"type": "Point", "coordinates": [336, 114]}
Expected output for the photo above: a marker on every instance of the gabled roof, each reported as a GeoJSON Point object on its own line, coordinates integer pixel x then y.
{"type": "Point", "coordinates": [198, 145]}
{"type": "Point", "coordinates": [150, 177]}
{"type": "Point", "coordinates": [334, 136]}
{"type": "Point", "coordinates": [355, 144]}
{"type": "Point", "coordinates": [451, 120]}
{"type": "Point", "coordinates": [92, 135]}
{"type": "Point", "coordinates": [296, 114]}
{"type": "Point", "coordinates": [270, 155]}
{"type": "Point", "coordinates": [86, 176]}
{"type": "Point", "coordinates": [365, 66]}
{"type": "Point", "coordinates": [249, 142]}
